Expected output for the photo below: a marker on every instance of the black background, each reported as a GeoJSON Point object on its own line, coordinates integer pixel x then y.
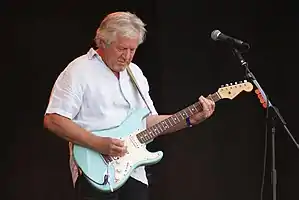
{"type": "Point", "coordinates": [220, 159]}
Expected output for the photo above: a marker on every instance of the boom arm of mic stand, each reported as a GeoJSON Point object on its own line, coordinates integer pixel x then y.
{"type": "Point", "coordinates": [252, 78]}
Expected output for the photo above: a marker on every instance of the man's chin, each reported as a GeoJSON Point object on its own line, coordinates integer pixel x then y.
{"type": "Point", "coordinates": [119, 68]}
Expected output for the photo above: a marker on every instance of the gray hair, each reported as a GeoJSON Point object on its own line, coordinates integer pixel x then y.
{"type": "Point", "coordinates": [124, 23]}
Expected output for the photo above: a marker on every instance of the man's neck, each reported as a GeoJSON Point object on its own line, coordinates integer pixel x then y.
{"type": "Point", "coordinates": [101, 53]}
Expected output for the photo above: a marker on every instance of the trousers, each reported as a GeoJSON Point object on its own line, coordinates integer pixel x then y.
{"type": "Point", "coordinates": [131, 190]}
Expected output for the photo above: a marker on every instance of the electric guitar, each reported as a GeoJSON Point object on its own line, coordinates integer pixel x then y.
{"type": "Point", "coordinates": [108, 173]}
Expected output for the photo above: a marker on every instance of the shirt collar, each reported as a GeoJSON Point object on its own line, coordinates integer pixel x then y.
{"type": "Point", "coordinates": [91, 53]}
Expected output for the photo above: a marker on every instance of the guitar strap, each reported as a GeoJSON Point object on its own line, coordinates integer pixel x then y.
{"type": "Point", "coordinates": [137, 86]}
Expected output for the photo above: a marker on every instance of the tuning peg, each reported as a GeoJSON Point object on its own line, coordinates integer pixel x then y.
{"type": "Point", "coordinates": [226, 85]}
{"type": "Point", "coordinates": [245, 81]}
{"type": "Point", "coordinates": [240, 81]}
{"type": "Point", "coordinates": [257, 91]}
{"type": "Point", "coordinates": [236, 83]}
{"type": "Point", "coordinates": [222, 85]}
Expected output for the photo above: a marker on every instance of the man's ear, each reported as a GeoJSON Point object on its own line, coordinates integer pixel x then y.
{"type": "Point", "coordinates": [104, 44]}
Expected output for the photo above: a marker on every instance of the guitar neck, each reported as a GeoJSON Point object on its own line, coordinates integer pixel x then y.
{"type": "Point", "coordinates": [161, 127]}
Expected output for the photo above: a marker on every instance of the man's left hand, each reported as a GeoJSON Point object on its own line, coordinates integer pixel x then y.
{"type": "Point", "coordinates": [208, 107]}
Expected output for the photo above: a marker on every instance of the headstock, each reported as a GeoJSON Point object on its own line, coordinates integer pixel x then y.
{"type": "Point", "coordinates": [230, 91]}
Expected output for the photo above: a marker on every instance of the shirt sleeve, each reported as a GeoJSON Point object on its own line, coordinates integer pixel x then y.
{"type": "Point", "coordinates": [67, 93]}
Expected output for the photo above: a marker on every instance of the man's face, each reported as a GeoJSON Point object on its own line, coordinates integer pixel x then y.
{"type": "Point", "coordinates": [120, 53]}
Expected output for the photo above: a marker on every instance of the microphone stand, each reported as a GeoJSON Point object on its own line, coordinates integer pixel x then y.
{"type": "Point", "coordinates": [249, 75]}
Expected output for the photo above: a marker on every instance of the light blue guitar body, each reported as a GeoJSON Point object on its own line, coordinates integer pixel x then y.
{"type": "Point", "coordinates": [109, 176]}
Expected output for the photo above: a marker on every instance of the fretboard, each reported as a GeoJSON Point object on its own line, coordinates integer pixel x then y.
{"type": "Point", "coordinates": [161, 127]}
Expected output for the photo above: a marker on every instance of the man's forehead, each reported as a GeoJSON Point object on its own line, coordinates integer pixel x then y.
{"type": "Point", "coordinates": [125, 41]}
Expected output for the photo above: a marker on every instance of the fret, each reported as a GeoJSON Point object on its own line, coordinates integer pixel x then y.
{"type": "Point", "coordinates": [146, 136]}
{"type": "Point", "coordinates": [158, 125]}
{"type": "Point", "coordinates": [175, 119]}
{"type": "Point", "coordinates": [169, 121]}
{"type": "Point", "coordinates": [195, 107]}
{"type": "Point", "coordinates": [151, 134]}
{"type": "Point", "coordinates": [165, 125]}
{"type": "Point", "coordinates": [217, 97]}
{"type": "Point", "coordinates": [185, 115]}
{"type": "Point", "coordinates": [187, 110]}
{"type": "Point", "coordinates": [156, 131]}
{"type": "Point", "coordinates": [190, 110]}
{"type": "Point", "coordinates": [141, 138]}
{"type": "Point", "coordinates": [180, 115]}
{"type": "Point", "coordinates": [199, 106]}
{"type": "Point", "coordinates": [152, 131]}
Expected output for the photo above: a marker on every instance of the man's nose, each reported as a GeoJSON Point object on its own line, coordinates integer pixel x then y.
{"type": "Point", "coordinates": [127, 54]}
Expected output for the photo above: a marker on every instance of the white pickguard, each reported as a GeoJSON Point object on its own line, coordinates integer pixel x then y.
{"type": "Point", "coordinates": [137, 154]}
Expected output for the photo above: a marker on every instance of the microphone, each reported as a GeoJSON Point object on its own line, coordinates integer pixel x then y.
{"type": "Point", "coordinates": [217, 35]}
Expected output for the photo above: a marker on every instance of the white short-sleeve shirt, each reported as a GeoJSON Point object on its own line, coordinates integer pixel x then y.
{"type": "Point", "coordinates": [89, 93]}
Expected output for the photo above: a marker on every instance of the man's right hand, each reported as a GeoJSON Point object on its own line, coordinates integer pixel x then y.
{"type": "Point", "coordinates": [67, 129]}
{"type": "Point", "coordinates": [111, 146]}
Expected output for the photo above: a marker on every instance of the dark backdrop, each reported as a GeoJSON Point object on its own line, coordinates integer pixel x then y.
{"type": "Point", "coordinates": [220, 159]}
